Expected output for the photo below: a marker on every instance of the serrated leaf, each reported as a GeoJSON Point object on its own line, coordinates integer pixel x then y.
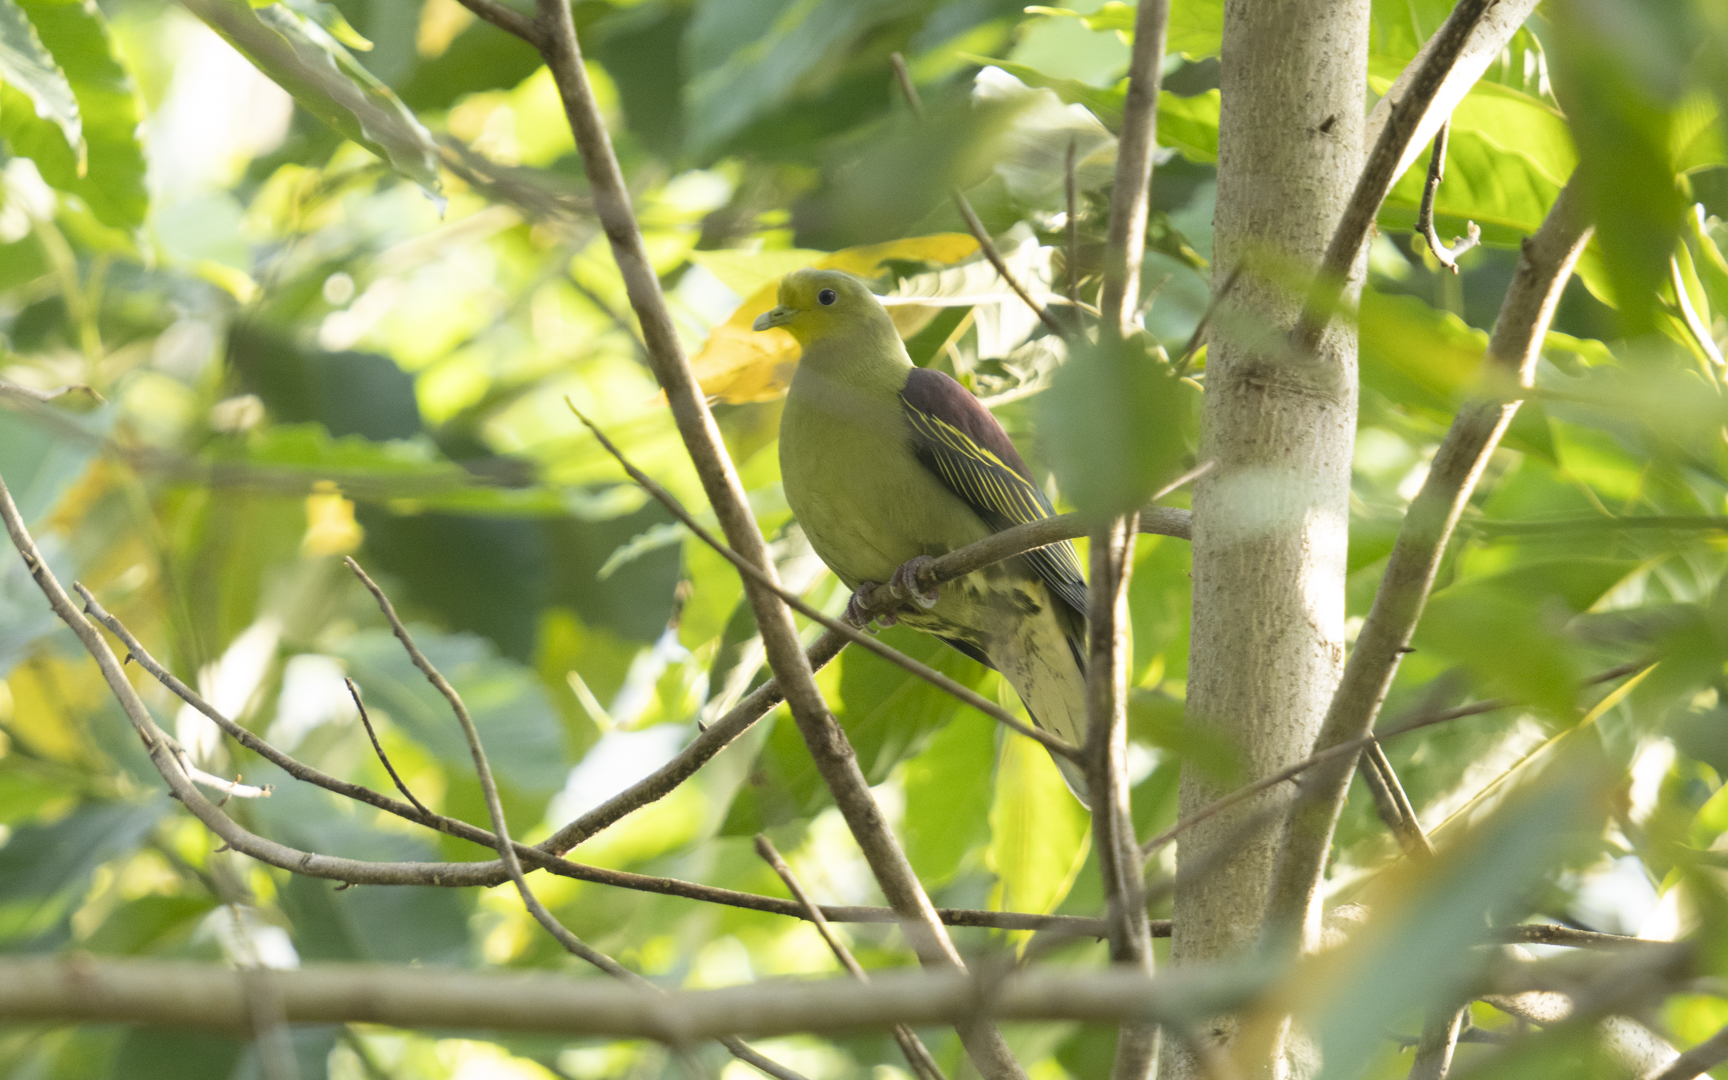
{"type": "Point", "coordinates": [26, 64]}
{"type": "Point", "coordinates": [107, 171]}
{"type": "Point", "coordinates": [302, 58]}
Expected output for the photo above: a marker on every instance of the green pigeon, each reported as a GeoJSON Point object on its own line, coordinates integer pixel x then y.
{"type": "Point", "coordinates": [887, 464]}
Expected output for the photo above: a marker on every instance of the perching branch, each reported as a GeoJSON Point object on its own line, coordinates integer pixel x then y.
{"type": "Point", "coordinates": [82, 988]}
{"type": "Point", "coordinates": [1543, 269]}
{"type": "Point", "coordinates": [794, 601]}
{"type": "Point", "coordinates": [833, 755]}
{"type": "Point", "coordinates": [1403, 121]}
{"type": "Point", "coordinates": [1448, 256]}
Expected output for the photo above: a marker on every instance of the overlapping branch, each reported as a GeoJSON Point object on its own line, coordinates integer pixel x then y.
{"type": "Point", "coordinates": [554, 34]}
{"type": "Point", "coordinates": [1543, 269]}
{"type": "Point", "coordinates": [1404, 120]}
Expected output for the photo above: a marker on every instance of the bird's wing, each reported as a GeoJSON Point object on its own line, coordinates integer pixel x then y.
{"type": "Point", "coordinates": [956, 438]}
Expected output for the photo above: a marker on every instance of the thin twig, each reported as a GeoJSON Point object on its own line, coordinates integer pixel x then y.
{"type": "Point", "coordinates": [1198, 337]}
{"type": "Point", "coordinates": [1439, 1039]}
{"type": "Point", "coordinates": [894, 656]}
{"type": "Point", "coordinates": [1543, 269]}
{"type": "Point", "coordinates": [835, 760]}
{"type": "Point", "coordinates": [917, 1055]}
{"type": "Point", "coordinates": [501, 829]}
{"type": "Point", "coordinates": [611, 313]}
{"type": "Point", "coordinates": [988, 246]}
{"type": "Point", "coordinates": [908, 91]}
{"type": "Point", "coordinates": [1334, 752]}
{"type": "Point", "coordinates": [1394, 803]}
{"type": "Point", "coordinates": [1448, 256]}
{"type": "Point", "coordinates": [485, 874]}
{"type": "Point", "coordinates": [1382, 169]}
{"type": "Point", "coordinates": [1112, 551]}
{"type": "Point", "coordinates": [1125, 244]}
{"type": "Point", "coordinates": [354, 692]}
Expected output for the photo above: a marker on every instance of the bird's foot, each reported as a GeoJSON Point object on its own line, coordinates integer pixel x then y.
{"type": "Point", "coordinates": [858, 608]}
{"type": "Point", "coordinates": [904, 584]}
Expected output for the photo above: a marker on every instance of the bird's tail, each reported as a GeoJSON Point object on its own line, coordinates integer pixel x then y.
{"type": "Point", "coordinates": [1042, 664]}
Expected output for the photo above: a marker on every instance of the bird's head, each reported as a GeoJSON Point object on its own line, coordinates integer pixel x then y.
{"type": "Point", "coordinates": [817, 304]}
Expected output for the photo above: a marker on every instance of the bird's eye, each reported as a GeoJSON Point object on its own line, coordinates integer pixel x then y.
{"type": "Point", "coordinates": [826, 297]}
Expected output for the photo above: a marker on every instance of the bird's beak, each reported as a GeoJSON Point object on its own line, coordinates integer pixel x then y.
{"type": "Point", "coordinates": [779, 316]}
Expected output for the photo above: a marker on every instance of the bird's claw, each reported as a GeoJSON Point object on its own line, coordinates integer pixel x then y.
{"type": "Point", "coordinates": [904, 584]}
{"type": "Point", "coordinates": [858, 608]}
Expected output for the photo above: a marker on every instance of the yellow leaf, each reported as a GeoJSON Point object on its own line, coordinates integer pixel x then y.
{"type": "Point", "coordinates": [741, 364]}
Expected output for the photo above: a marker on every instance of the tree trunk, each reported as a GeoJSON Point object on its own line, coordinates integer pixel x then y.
{"type": "Point", "coordinates": [1271, 519]}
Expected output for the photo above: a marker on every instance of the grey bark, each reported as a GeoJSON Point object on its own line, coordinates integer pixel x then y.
{"type": "Point", "coordinates": [1270, 520]}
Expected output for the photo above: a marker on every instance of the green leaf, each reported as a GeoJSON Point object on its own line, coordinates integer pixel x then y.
{"type": "Point", "coordinates": [1039, 832]}
{"type": "Point", "coordinates": [948, 798]}
{"type": "Point", "coordinates": [1429, 914]}
{"type": "Point", "coordinates": [520, 730]}
{"type": "Point", "coordinates": [44, 869]}
{"type": "Point", "coordinates": [325, 79]}
{"type": "Point", "coordinates": [26, 64]}
{"type": "Point", "coordinates": [750, 59]}
{"type": "Point", "coordinates": [1507, 158]}
{"type": "Point", "coordinates": [1416, 355]}
{"type": "Point", "coordinates": [107, 173]}
{"type": "Point", "coordinates": [150, 1053]}
{"type": "Point", "coordinates": [1190, 124]}
{"type": "Point", "coordinates": [1625, 132]}
{"type": "Point", "coordinates": [1506, 628]}
{"type": "Point", "coordinates": [1118, 422]}
{"type": "Point", "coordinates": [379, 924]}
{"type": "Point", "coordinates": [1194, 28]}
{"type": "Point", "coordinates": [1187, 124]}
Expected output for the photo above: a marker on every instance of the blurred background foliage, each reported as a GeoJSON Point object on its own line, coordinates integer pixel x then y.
{"type": "Point", "coordinates": [315, 329]}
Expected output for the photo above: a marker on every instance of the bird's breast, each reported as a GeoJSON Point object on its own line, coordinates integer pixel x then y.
{"type": "Point", "coordinates": [864, 500]}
